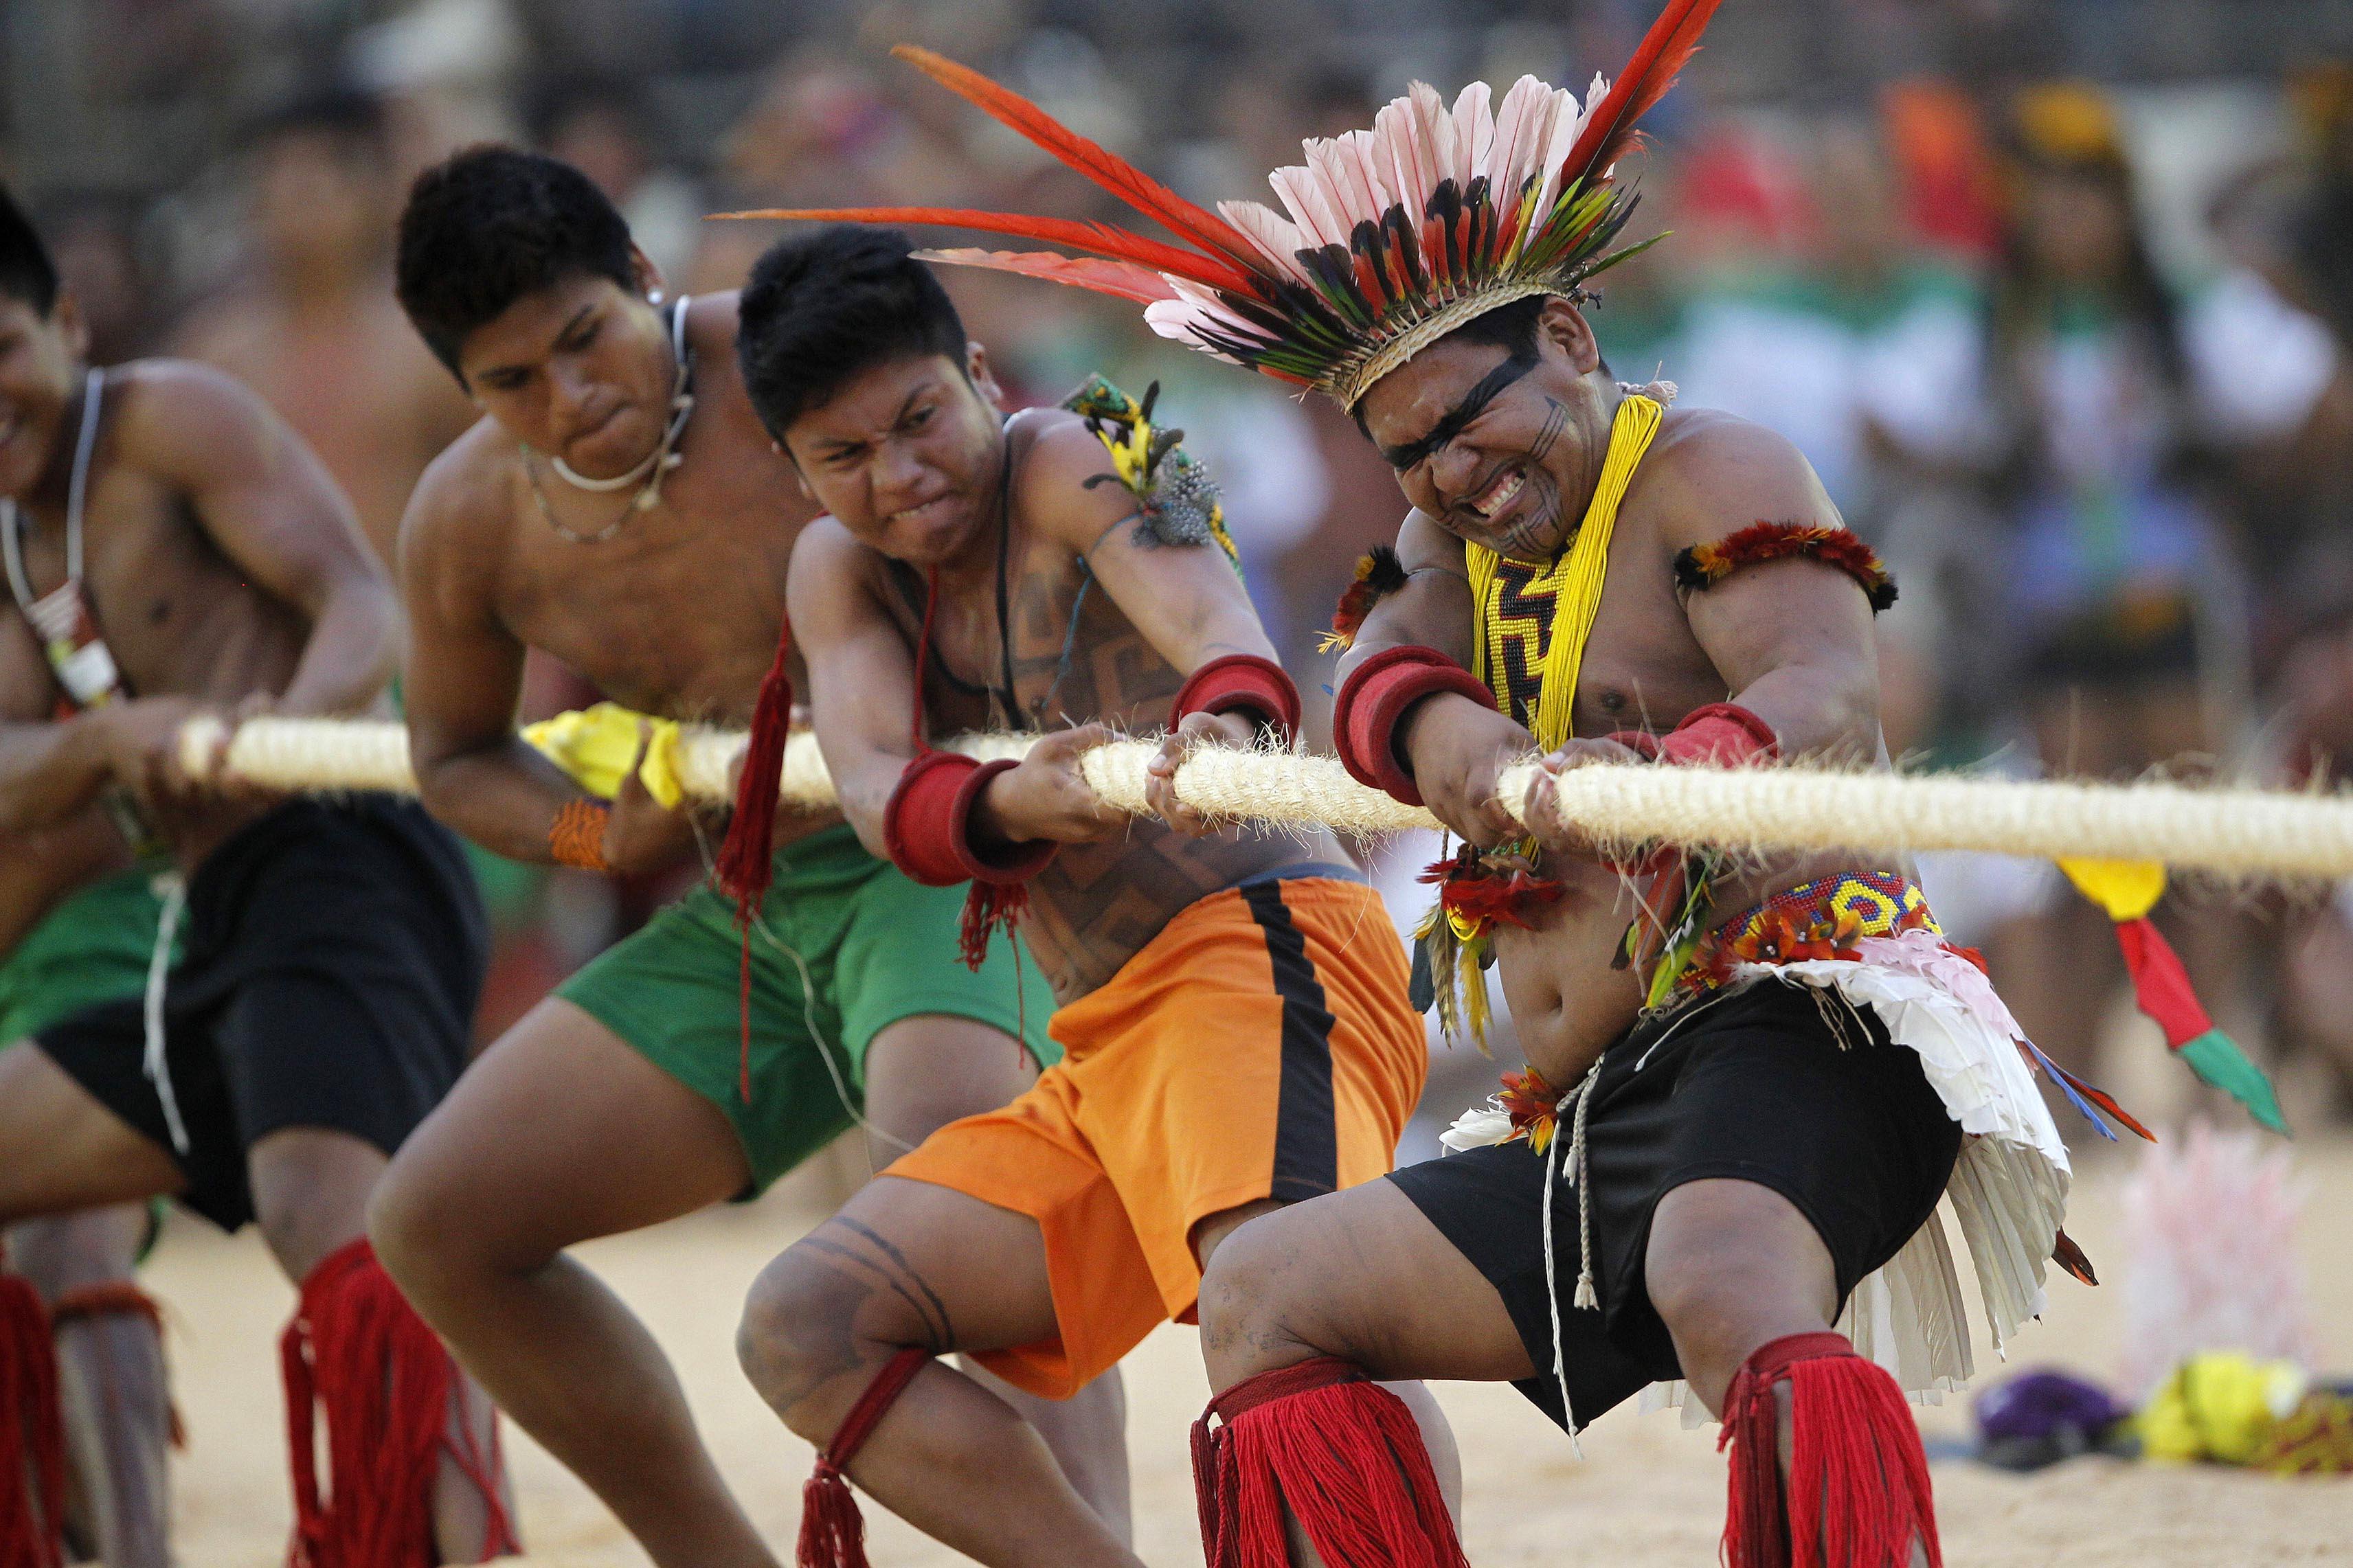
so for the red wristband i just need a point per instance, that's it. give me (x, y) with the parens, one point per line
(1721, 734)
(1242, 680)
(1374, 699)
(927, 825)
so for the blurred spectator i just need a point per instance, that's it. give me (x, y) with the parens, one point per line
(603, 129)
(313, 327)
(98, 260)
(2117, 403)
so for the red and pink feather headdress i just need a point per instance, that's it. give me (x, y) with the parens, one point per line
(1389, 239)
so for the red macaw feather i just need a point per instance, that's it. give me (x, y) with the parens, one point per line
(1123, 278)
(1098, 237)
(1506, 899)
(1664, 50)
(1113, 173)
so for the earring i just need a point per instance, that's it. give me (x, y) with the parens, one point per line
(654, 296)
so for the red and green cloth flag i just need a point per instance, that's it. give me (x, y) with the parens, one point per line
(2128, 890)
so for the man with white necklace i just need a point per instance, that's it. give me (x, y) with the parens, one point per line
(622, 507)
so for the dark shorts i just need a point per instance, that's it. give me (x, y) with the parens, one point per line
(333, 956)
(1753, 1085)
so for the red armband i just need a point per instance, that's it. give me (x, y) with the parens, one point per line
(1242, 680)
(1721, 734)
(927, 825)
(1374, 699)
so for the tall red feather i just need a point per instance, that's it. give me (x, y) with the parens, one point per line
(1125, 279)
(1665, 49)
(1115, 175)
(1101, 238)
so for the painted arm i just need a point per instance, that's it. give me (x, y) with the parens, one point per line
(268, 503)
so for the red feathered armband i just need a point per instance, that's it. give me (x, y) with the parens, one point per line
(927, 825)
(1721, 734)
(1376, 698)
(1243, 681)
(1704, 566)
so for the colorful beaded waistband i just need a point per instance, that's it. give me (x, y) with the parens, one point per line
(1820, 919)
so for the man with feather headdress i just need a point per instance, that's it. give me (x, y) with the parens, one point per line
(1750, 1084)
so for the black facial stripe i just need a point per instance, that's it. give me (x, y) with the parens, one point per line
(1473, 403)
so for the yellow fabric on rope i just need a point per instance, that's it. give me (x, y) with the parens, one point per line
(2128, 889)
(594, 747)
(1553, 651)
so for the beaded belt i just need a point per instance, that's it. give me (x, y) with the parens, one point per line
(1821, 918)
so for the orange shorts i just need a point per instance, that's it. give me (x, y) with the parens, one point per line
(1259, 1046)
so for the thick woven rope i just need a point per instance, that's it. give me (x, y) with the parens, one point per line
(2271, 835)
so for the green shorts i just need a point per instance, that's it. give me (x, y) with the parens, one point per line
(94, 947)
(876, 948)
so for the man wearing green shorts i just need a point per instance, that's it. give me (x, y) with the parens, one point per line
(622, 508)
(78, 927)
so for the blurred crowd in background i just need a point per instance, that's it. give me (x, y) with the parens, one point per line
(2057, 296)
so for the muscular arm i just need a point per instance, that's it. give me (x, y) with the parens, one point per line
(1452, 745)
(1792, 639)
(1187, 600)
(1432, 610)
(268, 505)
(48, 769)
(464, 678)
(862, 675)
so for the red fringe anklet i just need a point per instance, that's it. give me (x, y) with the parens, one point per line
(1342, 1452)
(833, 1532)
(1858, 1471)
(357, 1352)
(32, 1434)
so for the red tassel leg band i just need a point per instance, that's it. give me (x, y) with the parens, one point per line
(1858, 1493)
(1340, 1452)
(833, 1532)
(32, 1434)
(357, 1352)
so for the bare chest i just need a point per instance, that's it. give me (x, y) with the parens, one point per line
(1642, 667)
(1050, 651)
(178, 616)
(675, 613)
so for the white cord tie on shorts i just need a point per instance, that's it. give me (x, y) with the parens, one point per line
(1573, 1104)
(158, 1067)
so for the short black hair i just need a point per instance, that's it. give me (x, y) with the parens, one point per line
(821, 306)
(26, 272)
(1512, 328)
(492, 225)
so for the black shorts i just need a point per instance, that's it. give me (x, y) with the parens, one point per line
(1753, 1084)
(334, 954)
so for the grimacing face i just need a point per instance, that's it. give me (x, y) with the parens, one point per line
(1496, 450)
(907, 454)
(581, 370)
(40, 373)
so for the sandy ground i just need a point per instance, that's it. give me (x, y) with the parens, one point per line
(1648, 1486)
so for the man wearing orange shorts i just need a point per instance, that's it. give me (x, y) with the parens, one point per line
(1232, 1007)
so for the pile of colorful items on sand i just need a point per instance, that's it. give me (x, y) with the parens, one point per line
(2219, 1408)
(2217, 1336)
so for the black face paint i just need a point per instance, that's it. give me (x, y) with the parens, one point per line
(1475, 403)
(1555, 423)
